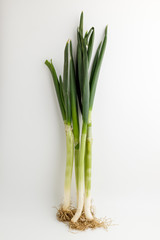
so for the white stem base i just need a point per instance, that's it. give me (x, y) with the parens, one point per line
(66, 203)
(87, 208)
(79, 208)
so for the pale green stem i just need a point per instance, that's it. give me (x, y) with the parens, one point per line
(69, 166)
(76, 166)
(81, 174)
(88, 165)
(76, 155)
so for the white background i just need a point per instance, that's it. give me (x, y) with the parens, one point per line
(126, 118)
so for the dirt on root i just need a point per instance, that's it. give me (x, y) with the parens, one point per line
(82, 224)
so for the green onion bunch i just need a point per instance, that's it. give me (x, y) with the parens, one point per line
(75, 93)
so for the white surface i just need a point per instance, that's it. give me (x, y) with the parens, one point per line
(126, 118)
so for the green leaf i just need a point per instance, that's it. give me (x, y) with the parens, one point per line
(87, 35)
(81, 24)
(75, 117)
(93, 82)
(85, 92)
(57, 87)
(78, 83)
(95, 63)
(61, 90)
(90, 46)
(66, 84)
(80, 59)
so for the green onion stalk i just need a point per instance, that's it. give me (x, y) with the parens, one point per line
(88, 156)
(82, 56)
(69, 167)
(66, 95)
(88, 166)
(85, 46)
(75, 116)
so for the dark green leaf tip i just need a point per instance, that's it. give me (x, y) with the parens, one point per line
(106, 28)
(81, 15)
(81, 23)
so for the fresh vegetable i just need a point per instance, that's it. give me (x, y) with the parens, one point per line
(87, 88)
(77, 91)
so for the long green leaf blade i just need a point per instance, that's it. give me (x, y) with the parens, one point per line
(74, 106)
(80, 63)
(78, 83)
(57, 88)
(95, 63)
(66, 84)
(97, 70)
(61, 90)
(85, 93)
(90, 46)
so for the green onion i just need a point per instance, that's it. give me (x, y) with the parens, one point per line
(88, 155)
(64, 98)
(87, 89)
(78, 86)
(75, 117)
(85, 110)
